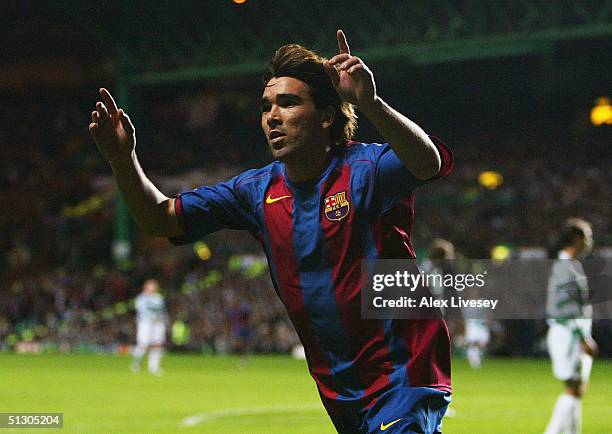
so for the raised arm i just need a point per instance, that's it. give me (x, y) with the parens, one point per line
(355, 83)
(115, 138)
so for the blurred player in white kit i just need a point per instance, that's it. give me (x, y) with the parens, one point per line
(569, 311)
(151, 320)
(477, 335)
(440, 261)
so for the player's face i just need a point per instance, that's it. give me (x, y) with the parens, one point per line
(293, 126)
(150, 287)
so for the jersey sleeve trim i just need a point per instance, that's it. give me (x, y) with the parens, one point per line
(182, 239)
(447, 159)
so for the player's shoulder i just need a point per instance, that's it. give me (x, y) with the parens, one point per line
(254, 178)
(563, 264)
(360, 151)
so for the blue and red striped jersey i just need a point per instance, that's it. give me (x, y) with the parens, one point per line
(315, 235)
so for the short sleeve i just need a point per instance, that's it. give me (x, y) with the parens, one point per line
(209, 209)
(394, 179)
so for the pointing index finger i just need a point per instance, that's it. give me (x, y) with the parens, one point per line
(342, 44)
(109, 102)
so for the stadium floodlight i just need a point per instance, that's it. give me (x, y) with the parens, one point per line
(601, 113)
(490, 179)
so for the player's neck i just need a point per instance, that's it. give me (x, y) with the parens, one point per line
(571, 251)
(308, 169)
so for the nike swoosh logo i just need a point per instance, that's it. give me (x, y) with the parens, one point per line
(269, 199)
(383, 427)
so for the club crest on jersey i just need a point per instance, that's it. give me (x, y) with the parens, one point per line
(336, 206)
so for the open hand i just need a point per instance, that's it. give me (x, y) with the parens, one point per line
(351, 77)
(112, 129)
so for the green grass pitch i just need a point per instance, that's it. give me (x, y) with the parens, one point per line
(275, 394)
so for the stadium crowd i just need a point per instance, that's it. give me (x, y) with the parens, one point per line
(61, 289)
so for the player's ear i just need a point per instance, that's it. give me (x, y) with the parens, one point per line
(327, 117)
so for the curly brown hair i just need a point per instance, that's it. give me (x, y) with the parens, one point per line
(298, 62)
